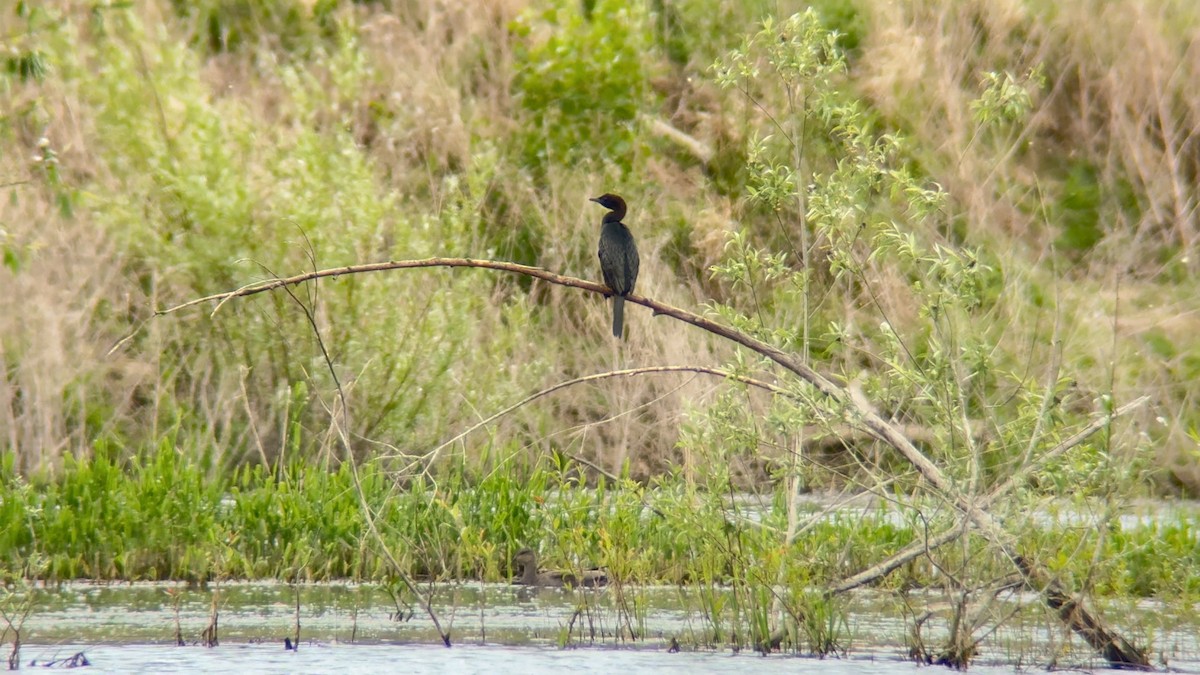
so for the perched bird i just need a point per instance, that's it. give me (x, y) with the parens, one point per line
(527, 575)
(618, 256)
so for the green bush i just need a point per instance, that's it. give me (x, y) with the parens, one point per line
(581, 83)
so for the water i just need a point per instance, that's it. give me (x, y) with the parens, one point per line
(374, 658)
(354, 628)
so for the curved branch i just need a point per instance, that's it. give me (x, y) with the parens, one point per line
(823, 384)
(334, 272)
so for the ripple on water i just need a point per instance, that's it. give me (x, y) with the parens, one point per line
(348, 658)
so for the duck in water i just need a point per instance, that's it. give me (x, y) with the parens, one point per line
(525, 562)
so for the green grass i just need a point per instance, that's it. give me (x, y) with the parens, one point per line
(163, 516)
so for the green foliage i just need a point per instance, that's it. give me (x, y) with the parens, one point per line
(165, 516)
(853, 211)
(856, 211)
(208, 200)
(232, 25)
(865, 211)
(581, 83)
(1086, 202)
(1079, 210)
(24, 60)
(1157, 559)
(694, 32)
(843, 18)
(154, 519)
(1004, 99)
(26, 66)
(1142, 556)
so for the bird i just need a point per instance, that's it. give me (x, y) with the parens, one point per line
(526, 562)
(618, 256)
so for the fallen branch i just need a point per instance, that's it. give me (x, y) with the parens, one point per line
(920, 548)
(695, 147)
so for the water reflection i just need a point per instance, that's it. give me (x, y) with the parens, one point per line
(357, 627)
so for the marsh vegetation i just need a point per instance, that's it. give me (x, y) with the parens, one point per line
(938, 258)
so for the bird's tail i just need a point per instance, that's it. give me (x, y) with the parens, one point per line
(618, 315)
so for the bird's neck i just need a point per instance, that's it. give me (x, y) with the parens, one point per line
(529, 574)
(613, 217)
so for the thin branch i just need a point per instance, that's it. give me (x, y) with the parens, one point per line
(432, 455)
(279, 282)
(339, 422)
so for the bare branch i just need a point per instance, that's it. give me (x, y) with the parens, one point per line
(272, 284)
(432, 455)
(823, 384)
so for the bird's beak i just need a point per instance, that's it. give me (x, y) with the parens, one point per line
(595, 199)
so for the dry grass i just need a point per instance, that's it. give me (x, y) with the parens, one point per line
(1119, 100)
(57, 318)
(1118, 97)
(65, 299)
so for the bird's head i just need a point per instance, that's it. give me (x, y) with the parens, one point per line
(611, 202)
(524, 557)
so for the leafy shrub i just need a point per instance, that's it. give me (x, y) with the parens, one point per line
(582, 83)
